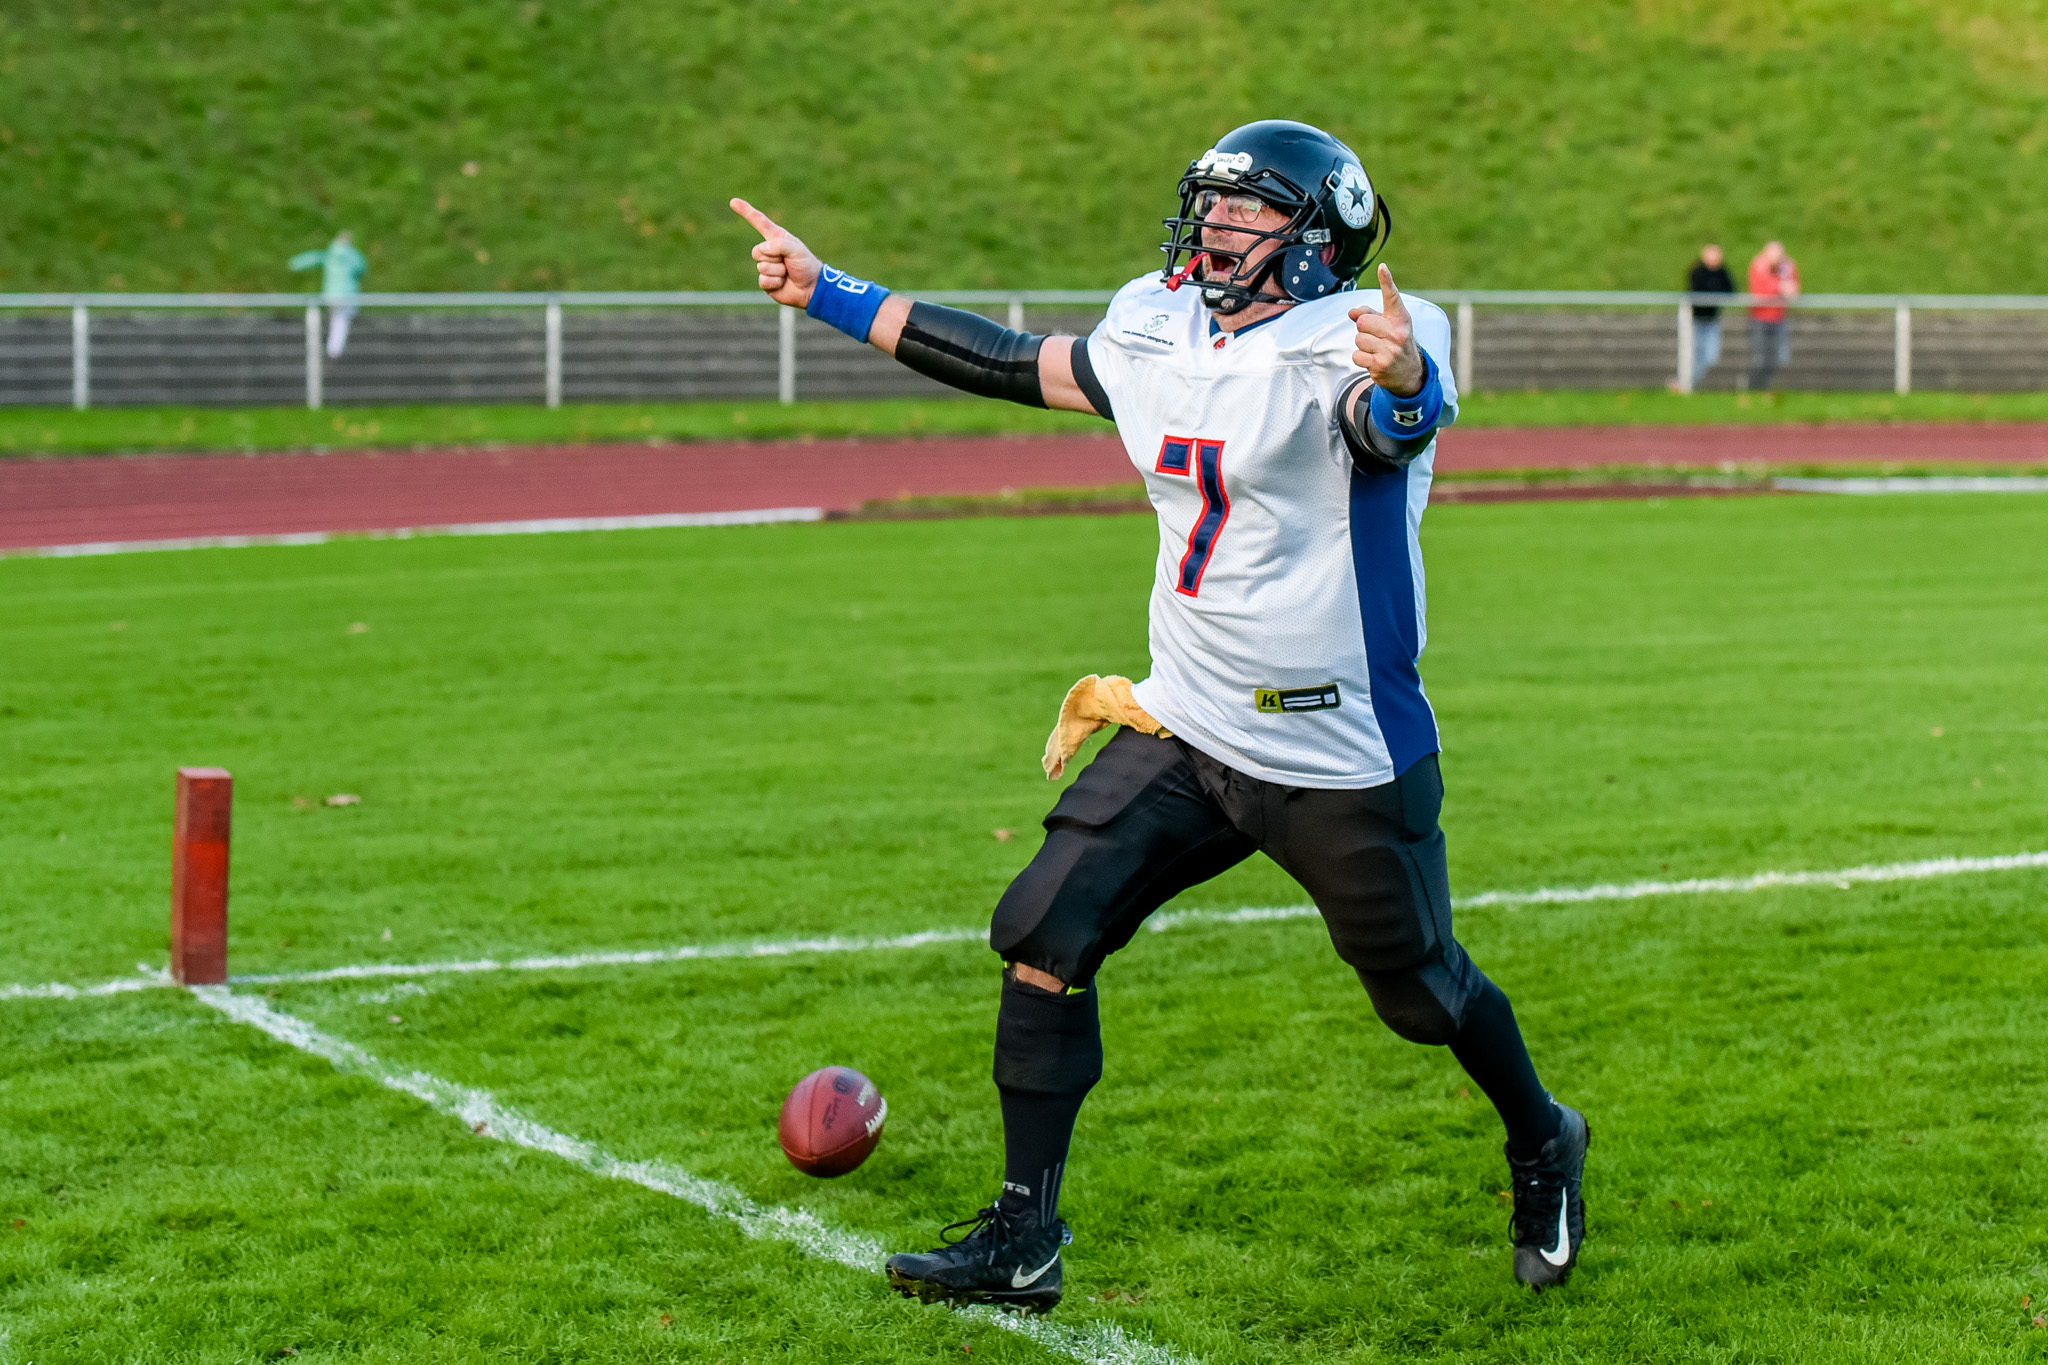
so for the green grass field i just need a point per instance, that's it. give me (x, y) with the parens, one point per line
(173, 144)
(1817, 1111)
(56, 431)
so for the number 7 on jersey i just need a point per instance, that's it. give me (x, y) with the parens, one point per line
(1204, 460)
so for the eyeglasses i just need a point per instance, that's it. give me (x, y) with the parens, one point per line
(1239, 208)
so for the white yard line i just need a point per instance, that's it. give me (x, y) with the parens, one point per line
(152, 977)
(483, 1115)
(1844, 878)
(781, 947)
(537, 527)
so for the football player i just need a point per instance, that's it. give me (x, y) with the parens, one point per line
(1285, 428)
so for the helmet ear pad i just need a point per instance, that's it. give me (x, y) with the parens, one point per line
(1304, 275)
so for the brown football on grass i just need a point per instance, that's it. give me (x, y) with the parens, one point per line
(831, 1121)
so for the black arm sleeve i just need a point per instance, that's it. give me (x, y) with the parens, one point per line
(1373, 450)
(968, 351)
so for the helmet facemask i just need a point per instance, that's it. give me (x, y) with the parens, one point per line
(1232, 280)
(1334, 222)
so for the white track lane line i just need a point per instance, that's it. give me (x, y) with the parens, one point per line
(537, 527)
(483, 1115)
(1844, 878)
(1909, 483)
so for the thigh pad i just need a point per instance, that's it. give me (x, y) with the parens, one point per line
(1134, 830)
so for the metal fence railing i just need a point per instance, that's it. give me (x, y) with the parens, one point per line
(1684, 367)
(258, 348)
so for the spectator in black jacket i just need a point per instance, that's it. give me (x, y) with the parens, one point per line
(1709, 275)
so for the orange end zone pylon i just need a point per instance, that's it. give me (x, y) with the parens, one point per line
(199, 877)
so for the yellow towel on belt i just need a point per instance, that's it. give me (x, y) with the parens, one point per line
(1091, 704)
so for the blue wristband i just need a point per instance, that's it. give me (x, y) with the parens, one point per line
(1410, 417)
(846, 303)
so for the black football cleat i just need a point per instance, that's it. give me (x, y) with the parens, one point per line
(1010, 1260)
(1550, 1213)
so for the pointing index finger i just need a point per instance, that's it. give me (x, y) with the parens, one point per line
(1390, 295)
(761, 222)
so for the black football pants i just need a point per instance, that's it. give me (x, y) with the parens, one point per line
(1151, 817)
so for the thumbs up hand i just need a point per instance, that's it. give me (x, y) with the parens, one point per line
(1386, 342)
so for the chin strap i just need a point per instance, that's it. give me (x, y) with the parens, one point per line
(1268, 269)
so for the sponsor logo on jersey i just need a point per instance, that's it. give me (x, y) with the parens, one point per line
(1274, 700)
(1153, 326)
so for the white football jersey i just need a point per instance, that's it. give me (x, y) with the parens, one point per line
(1287, 612)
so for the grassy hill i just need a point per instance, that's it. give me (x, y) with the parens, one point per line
(592, 143)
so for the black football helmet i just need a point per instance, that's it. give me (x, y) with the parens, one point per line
(1335, 223)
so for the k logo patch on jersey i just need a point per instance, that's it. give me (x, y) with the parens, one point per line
(1274, 700)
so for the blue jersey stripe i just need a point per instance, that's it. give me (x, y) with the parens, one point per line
(1386, 608)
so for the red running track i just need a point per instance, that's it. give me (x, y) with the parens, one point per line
(1709, 446)
(178, 497)
(53, 502)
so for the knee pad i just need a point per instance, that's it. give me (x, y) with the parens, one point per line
(1047, 1044)
(1427, 1004)
(1035, 924)
(1406, 1005)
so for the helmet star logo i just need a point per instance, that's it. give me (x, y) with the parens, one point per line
(1354, 196)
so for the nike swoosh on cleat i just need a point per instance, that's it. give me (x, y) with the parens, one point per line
(1018, 1279)
(1564, 1234)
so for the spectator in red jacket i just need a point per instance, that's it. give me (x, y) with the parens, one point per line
(1770, 334)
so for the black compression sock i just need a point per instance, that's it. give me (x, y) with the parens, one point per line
(1490, 1048)
(1037, 1129)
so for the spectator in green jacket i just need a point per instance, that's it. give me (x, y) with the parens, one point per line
(341, 267)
